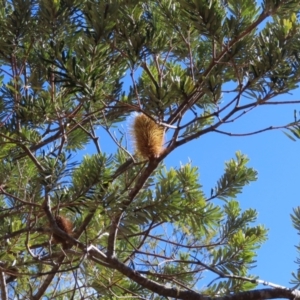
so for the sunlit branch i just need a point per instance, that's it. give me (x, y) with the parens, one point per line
(4, 294)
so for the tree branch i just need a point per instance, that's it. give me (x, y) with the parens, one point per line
(191, 295)
(49, 279)
(3, 286)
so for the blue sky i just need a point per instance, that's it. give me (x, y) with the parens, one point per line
(273, 195)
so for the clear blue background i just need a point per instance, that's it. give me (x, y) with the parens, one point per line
(273, 195)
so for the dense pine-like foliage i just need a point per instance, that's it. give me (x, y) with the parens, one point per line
(71, 72)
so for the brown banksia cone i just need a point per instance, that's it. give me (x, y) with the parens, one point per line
(65, 225)
(148, 137)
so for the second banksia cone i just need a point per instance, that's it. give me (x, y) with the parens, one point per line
(64, 224)
(148, 137)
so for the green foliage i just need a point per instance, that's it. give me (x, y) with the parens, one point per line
(235, 177)
(296, 223)
(70, 72)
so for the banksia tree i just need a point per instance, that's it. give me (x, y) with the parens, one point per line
(73, 73)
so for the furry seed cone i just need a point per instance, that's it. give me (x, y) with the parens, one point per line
(148, 137)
